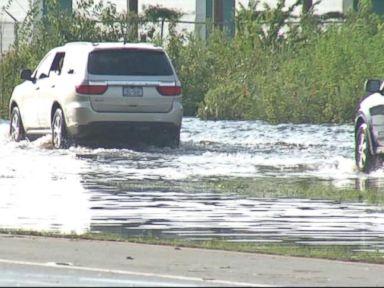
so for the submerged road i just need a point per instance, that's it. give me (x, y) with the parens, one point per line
(40, 261)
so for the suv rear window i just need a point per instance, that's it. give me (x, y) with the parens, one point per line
(129, 62)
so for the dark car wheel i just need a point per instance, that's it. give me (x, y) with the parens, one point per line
(365, 160)
(16, 131)
(176, 139)
(59, 133)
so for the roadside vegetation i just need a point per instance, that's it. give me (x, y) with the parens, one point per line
(349, 253)
(278, 67)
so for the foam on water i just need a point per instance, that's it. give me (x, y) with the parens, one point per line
(221, 148)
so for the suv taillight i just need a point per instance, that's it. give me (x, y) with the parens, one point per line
(91, 89)
(169, 90)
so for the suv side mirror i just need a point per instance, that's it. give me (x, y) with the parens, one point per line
(372, 85)
(26, 74)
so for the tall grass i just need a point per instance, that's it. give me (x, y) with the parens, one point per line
(310, 72)
(277, 68)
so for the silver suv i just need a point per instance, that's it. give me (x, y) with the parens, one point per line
(99, 92)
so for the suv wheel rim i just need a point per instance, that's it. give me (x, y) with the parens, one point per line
(362, 148)
(15, 126)
(57, 131)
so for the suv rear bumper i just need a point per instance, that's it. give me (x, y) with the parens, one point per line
(123, 134)
(83, 122)
(120, 130)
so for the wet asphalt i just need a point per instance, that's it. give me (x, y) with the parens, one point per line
(40, 261)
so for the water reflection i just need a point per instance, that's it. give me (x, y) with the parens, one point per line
(203, 216)
(372, 182)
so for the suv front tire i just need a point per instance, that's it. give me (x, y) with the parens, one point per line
(16, 130)
(59, 133)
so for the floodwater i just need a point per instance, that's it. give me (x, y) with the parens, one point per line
(162, 192)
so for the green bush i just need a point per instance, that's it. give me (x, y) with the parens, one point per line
(323, 81)
(227, 101)
(314, 75)
(194, 66)
(278, 67)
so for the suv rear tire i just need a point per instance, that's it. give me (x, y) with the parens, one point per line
(169, 138)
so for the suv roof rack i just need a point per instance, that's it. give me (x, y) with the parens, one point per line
(78, 43)
(95, 44)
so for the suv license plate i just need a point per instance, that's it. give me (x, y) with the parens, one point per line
(132, 91)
